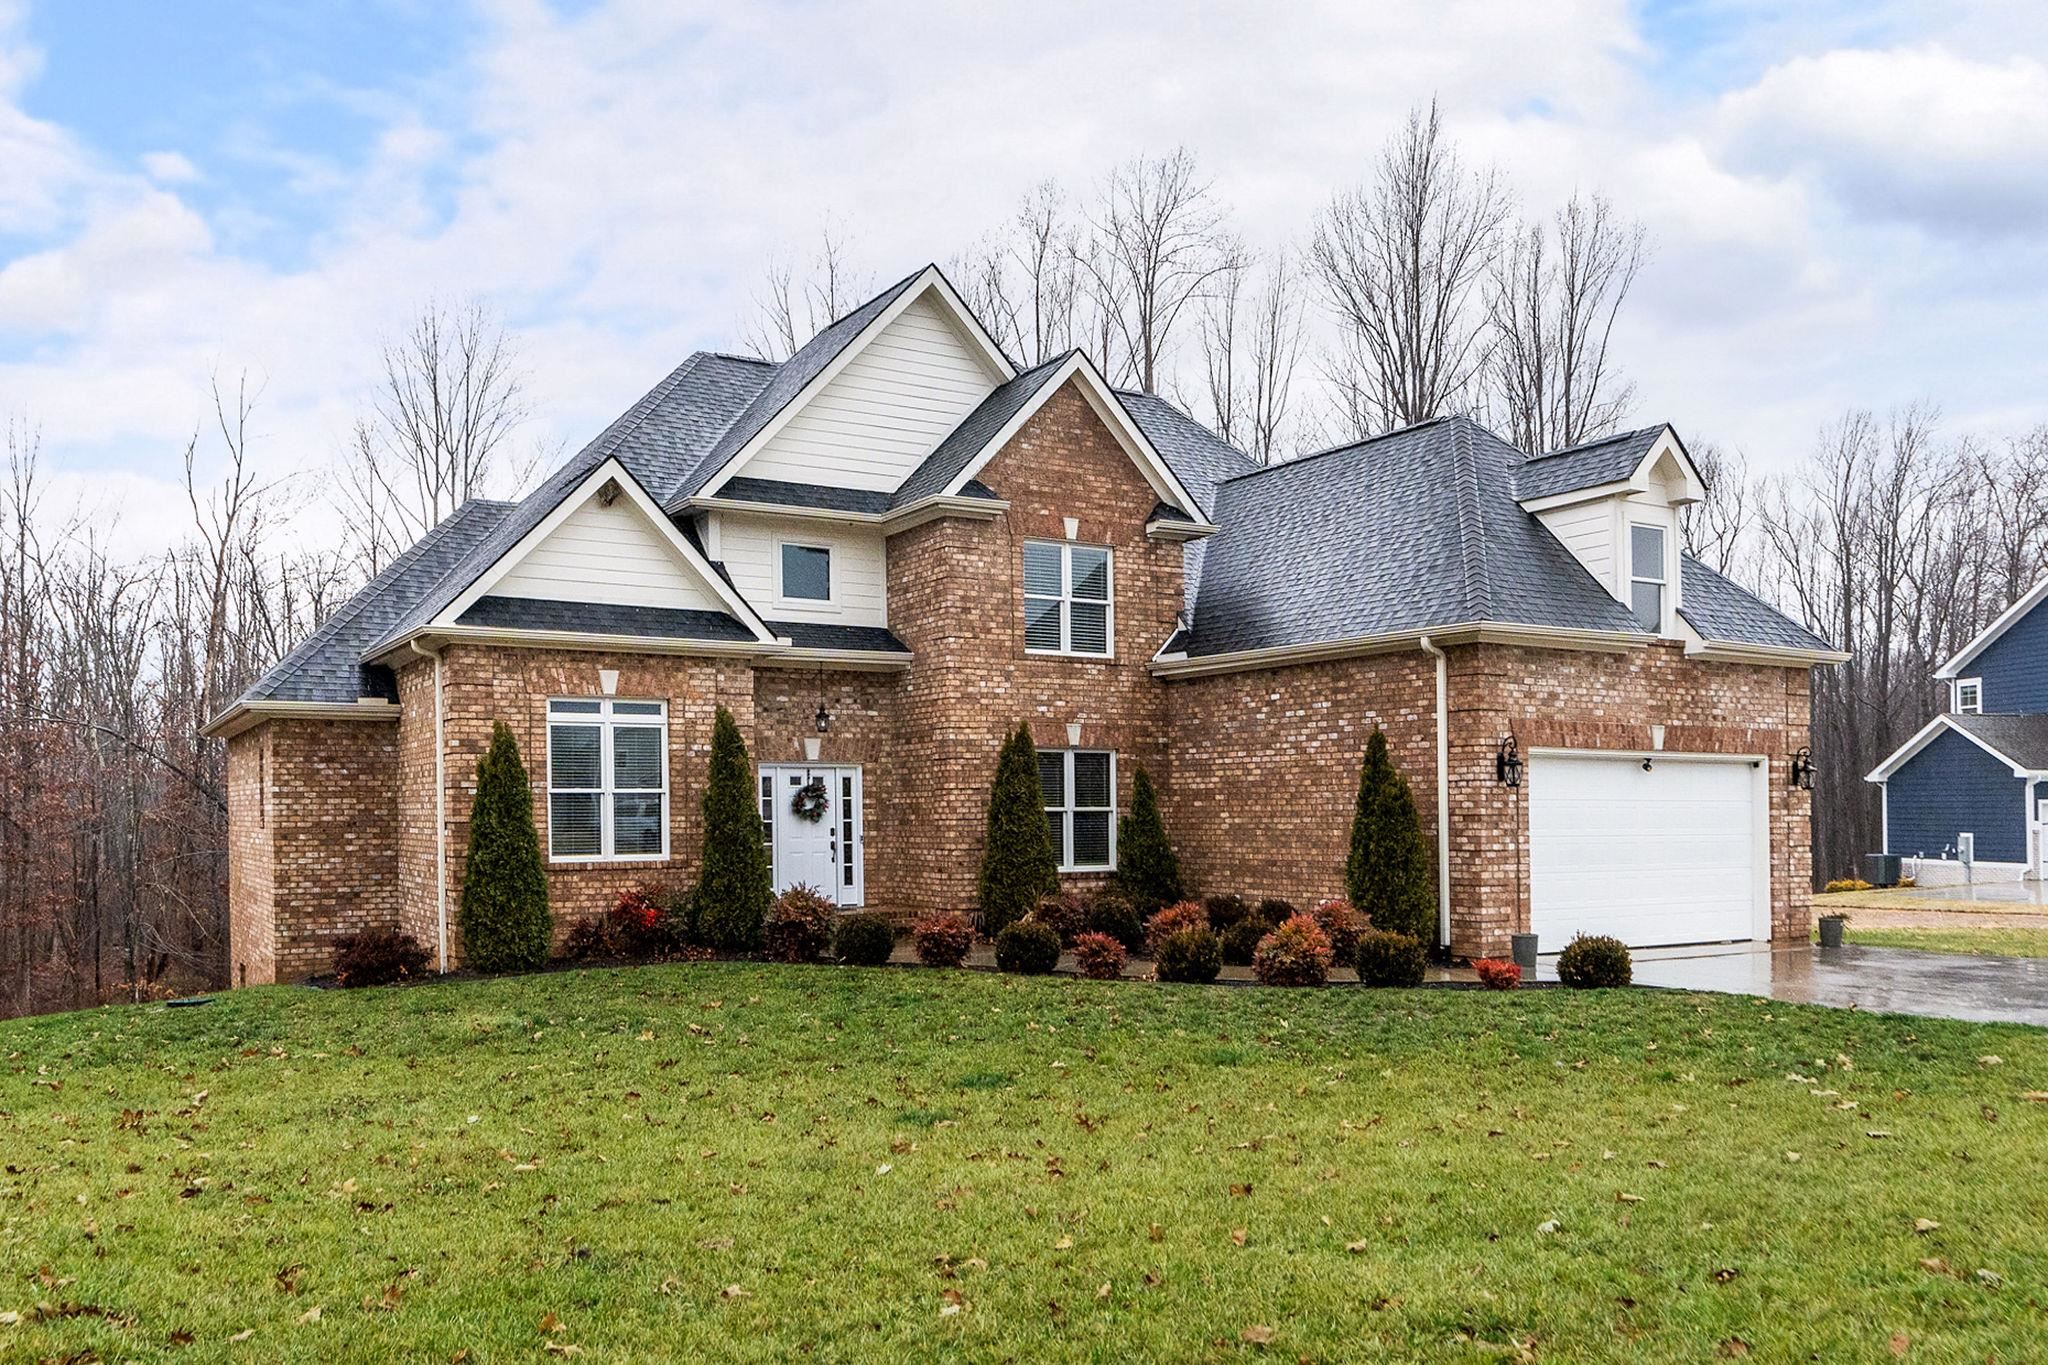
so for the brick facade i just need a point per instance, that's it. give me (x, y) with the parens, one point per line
(1257, 769)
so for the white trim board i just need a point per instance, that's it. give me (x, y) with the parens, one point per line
(1931, 731)
(1986, 637)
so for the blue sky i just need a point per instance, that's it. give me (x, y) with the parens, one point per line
(1847, 201)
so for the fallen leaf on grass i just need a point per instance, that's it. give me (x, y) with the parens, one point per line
(1734, 1348)
(1355, 1247)
(1257, 1335)
(1156, 1233)
(2035, 1096)
(1900, 1343)
(733, 1291)
(1103, 1291)
(1991, 1277)
(1725, 1274)
(1063, 1244)
(244, 1334)
(549, 1324)
(310, 1315)
(1924, 1225)
(1934, 1265)
(951, 1302)
(1545, 1228)
(715, 1244)
(1238, 1236)
(1624, 1197)
(9, 1318)
(558, 1348)
(1241, 1191)
(1878, 1133)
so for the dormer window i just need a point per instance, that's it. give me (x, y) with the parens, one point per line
(1970, 696)
(1649, 575)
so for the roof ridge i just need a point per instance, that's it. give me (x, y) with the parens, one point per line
(1473, 549)
(1333, 450)
(1593, 444)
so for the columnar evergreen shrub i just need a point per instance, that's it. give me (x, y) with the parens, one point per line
(1389, 959)
(799, 925)
(1064, 912)
(1295, 954)
(504, 915)
(942, 939)
(1100, 957)
(1171, 920)
(1241, 940)
(865, 940)
(1188, 955)
(1028, 948)
(736, 883)
(1147, 868)
(1110, 913)
(1017, 862)
(1388, 876)
(1594, 960)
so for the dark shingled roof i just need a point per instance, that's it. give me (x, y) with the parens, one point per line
(1199, 458)
(784, 494)
(814, 635)
(1590, 464)
(2023, 739)
(1408, 531)
(327, 666)
(604, 618)
(1719, 610)
(975, 431)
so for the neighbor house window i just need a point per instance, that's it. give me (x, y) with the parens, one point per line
(806, 573)
(1648, 575)
(1970, 695)
(607, 779)
(1080, 806)
(1067, 599)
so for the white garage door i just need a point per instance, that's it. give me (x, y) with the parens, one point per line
(1671, 855)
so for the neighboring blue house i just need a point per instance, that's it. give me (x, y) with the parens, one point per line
(1972, 786)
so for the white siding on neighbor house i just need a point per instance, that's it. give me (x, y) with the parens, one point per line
(607, 554)
(750, 547)
(1587, 530)
(878, 418)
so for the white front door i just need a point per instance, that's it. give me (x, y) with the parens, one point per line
(823, 853)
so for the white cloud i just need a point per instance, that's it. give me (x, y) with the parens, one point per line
(169, 168)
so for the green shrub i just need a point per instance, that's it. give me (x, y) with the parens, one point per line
(378, 957)
(1274, 912)
(1100, 957)
(865, 940)
(1028, 948)
(799, 925)
(679, 915)
(1385, 958)
(1241, 940)
(1111, 914)
(504, 915)
(736, 884)
(1295, 954)
(942, 939)
(1389, 875)
(1226, 911)
(637, 928)
(1840, 884)
(1188, 955)
(1341, 924)
(1017, 862)
(1063, 912)
(1147, 869)
(1171, 920)
(1595, 960)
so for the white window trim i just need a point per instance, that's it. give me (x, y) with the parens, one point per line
(605, 719)
(1663, 578)
(1066, 812)
(831, 553)
(1956, 697)
(1066, 600)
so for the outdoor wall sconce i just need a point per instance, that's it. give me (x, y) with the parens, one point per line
(1802, 769)
(823, 720)
(1507, 763)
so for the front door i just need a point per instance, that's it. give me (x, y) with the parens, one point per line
(811, 818)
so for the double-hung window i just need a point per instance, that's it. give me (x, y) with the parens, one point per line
(1080, 806)
(1970, 696)
(607, 779)
(1648, 575)
(1068, 599)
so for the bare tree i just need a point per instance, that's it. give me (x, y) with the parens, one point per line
(1251, 348)
(1552, 299)
(438, 432)
(1717, 531)
(790, 309)
(1400, 260)
(1159, 244)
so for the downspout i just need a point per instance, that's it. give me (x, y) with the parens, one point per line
(440, 816)
(1443, 790)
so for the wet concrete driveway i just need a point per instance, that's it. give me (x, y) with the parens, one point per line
(1944, 985)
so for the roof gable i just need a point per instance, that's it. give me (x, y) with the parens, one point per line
(1647, 460)
(2019, 742)
(1991, 634)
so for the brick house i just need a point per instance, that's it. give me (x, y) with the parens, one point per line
(886, 550)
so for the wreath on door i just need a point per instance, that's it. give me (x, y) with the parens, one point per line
(810, 801)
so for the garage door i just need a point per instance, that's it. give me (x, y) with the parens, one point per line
(1671, 855)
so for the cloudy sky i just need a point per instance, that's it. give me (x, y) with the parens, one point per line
(1847, 206)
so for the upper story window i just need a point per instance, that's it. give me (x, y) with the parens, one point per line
(607, 779)
(1649, 575)
(806, 573)
(1080, 806)
(1068, 599)
(1970, 695)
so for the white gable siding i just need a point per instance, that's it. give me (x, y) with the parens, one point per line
(750, 548)
(1587, 530)
(607, 554)
(878, 418)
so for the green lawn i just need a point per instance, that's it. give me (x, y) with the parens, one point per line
(760, 1162)
(2020, 942)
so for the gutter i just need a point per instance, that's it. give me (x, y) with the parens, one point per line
(440, 814)
(1443, 789)
(1180, 665)
(246, 715)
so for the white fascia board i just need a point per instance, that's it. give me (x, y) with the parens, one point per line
(518, 638)
(245, 715)
(1110, 409)
(610, 470)
(1173, 529)
(1926, 735)
(1985, 637)
(1737, 652)
(841, 660)
(932, 280)
(1179, 665)
(890, 522)
(1572, 497)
